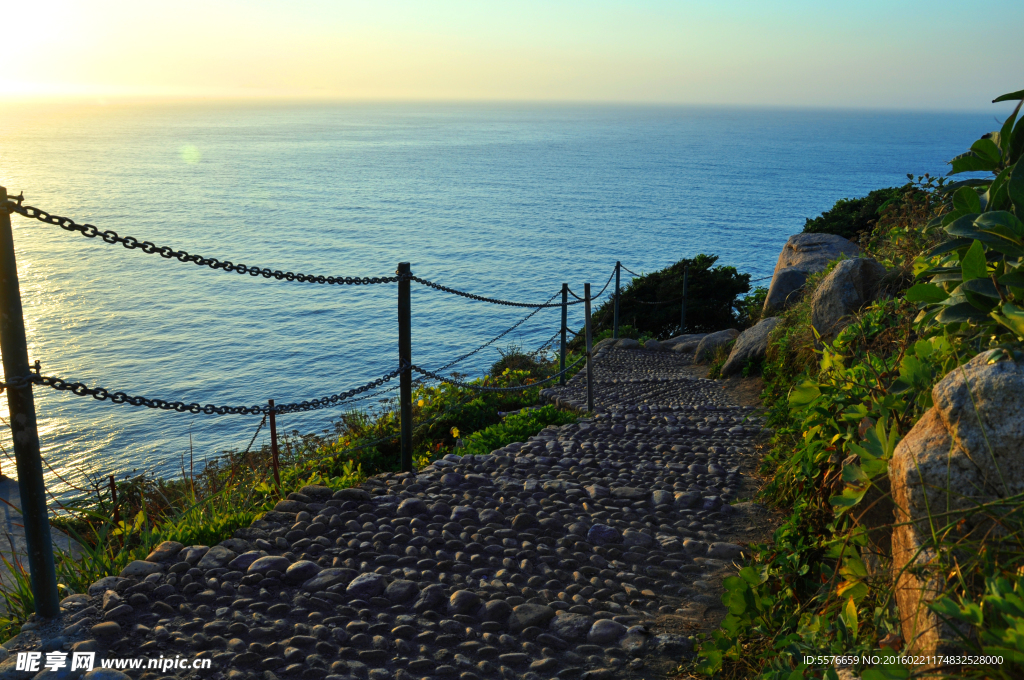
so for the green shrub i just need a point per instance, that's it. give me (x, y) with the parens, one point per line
(850, 217)
(515, 428)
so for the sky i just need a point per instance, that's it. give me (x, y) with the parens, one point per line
(892, 54)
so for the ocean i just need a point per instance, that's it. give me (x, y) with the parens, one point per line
(506, 201)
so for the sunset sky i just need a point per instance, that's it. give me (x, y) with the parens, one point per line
(869, 53)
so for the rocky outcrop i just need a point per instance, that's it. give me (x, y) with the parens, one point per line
(712, 341)
(849, 286)
(751, 345)
(966, 450)
(803, 255)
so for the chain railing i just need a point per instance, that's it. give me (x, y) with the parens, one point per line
(20, 377)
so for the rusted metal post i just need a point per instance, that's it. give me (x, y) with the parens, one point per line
(24, 433)
(615, 325)
(565, 322)
(113, 501)
(273, 445)
(682, 314)
(405, 358)
(590, 362)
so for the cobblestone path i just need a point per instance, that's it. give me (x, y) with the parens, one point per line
(585, 552)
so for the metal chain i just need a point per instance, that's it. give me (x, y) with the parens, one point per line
(102, 394)
(255, 434)
(493, 301)
(480, 388)
(132, 243)
(629, 270)
(763, 278)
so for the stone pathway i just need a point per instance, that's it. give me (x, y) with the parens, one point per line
(589, 552)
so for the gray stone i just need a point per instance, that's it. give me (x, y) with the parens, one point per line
(706, 349)
(269, 563)
(803, 255)
(660, 497)
(631, 537)
(628, 343)
(327, 578)
(751, 345)
(686, 499)
(401, 591)
(685, 338)
(605, 631)
(629, 493)
(193, 553)
(496, 610)
(217, 556)
(849, 286)
(365, 586)
(967, 449)
(245, 560)
(352, 494)
(412, 506)
(141, 568)
(463, 602)
(596, 491)
(602, 534)
(570, 626)
(301, 571)
(166, 550)
(317, 492)
(526, 615)
(104, 584)
(653, 346)
(725, 551)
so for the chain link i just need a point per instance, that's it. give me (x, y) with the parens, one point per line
(481, 388)
(493, 301)
(132, 243)
(629, 270)
(665, 302)
(101, 394)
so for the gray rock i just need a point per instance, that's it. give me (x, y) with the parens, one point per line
(685, 338)
(217, 556)
(401, 591)
(725, 551)
(245, 560)
(597, 491)
(706, 348)
(849, 286)
(327, 578)
(141, 568)
(269, 563)
(166, 550)
(605, 631)
(751, 345)
(463, 602)
(660, 497)
(496, 610)
(104, 584)
(301, 571)
(628, 343)
(317, 492)
(967, 449)
(631, 537)
(365, 586)
(193, 553)
(629, 493)
(570, 626)
(526, 615)
(602, 534)
(352, 494)
(686, 499)
(803, 255)
(412, 506)
(653, 346)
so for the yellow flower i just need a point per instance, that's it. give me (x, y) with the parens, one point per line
(420, 402)
(455, 432)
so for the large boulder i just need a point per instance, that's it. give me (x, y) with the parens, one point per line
(966, 450)
(712, 341)
(751, 345)
(848, 287)
(803, 255)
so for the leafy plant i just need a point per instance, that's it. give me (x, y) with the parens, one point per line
(850, 217)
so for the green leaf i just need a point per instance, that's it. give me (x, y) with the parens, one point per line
(895, 672)
(971, 162)
(926, 292)
(1015, 187)
(1015, 279)
(1006, 133)
(1009, 97)
(1012, 317)
(983, 287)
(973, 263)
(964, 312)
(1002, 223)
(987, 147)
(966, 200)
(848, 616)
(803, 394)
(949, 246)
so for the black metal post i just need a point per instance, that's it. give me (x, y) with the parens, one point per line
(274, 455)
(615, 325)
(590, 363)
(405, 357)
(565, 322)
(682, 314)
(24, 432)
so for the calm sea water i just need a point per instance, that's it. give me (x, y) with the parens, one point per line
(507, 201)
